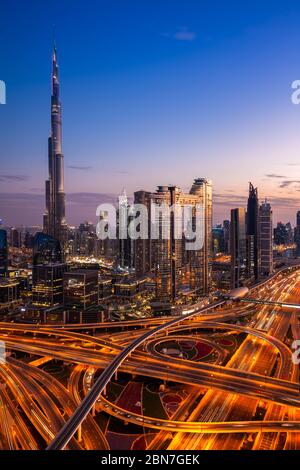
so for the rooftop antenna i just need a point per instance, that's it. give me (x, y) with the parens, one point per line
(53, 36)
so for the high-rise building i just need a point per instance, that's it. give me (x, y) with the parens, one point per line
(46, 249)
(83, 241)
(28, 240)
(174, 267)
(201, 260)
(218, 239)
(47, 271)
(289, 233)
(3, 253)
(47, 284)
(226, 229)
(266, 238)
(126, 244)
(106, 248)
(238, 247)
(297, 234)
(9, 294)
(54, 217)
(143, 247)
(252, 231)
(15, 238)
(280, 234)
(81, 290)
(161, 256)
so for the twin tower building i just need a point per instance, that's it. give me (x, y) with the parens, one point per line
(251, 241)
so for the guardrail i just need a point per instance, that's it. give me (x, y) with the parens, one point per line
(71, 426)
(74, 422)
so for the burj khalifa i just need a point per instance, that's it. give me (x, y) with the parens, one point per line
(54, 217)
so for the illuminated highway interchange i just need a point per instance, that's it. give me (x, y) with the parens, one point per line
(219, 377)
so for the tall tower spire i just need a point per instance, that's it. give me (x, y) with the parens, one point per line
(54, 218)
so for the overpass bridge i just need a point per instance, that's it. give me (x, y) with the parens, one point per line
(270, 302)
(75, 421)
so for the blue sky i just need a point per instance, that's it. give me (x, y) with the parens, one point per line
(153, 92)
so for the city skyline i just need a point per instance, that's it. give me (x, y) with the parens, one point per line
(161, 106)
(150, 229)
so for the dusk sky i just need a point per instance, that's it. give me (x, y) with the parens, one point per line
(153, 92)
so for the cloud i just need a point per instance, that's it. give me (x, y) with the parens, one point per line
(273, 175)
(122, 172)
(80, 168)
(229, 200)
(288, 183)
(90, 199)
(293, 164)
(185, 35)
(286, 202)
(28, 208)
(15, 178)
(36, 190)
(165, 35)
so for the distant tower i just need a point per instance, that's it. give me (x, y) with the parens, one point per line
(47, 271)
(253, 241)
(201, 260)
(226, 229)
(54, 218)
(238, 247)
(297, 234)
(126, 244)
(3, 253)
(266, 238)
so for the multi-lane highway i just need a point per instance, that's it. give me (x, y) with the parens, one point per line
(260, 373)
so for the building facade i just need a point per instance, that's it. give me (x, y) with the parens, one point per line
(266, 238)
(54, 217)
(3, 253)
(174, 267)
(47, 284)
(81, 290)
(238, 249)
(297, 234)
(253, 238)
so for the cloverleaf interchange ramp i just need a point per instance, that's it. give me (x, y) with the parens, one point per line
(69, 429)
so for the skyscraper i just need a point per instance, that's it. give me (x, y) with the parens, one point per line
(289, 233)
(3, 253)
(218, 239)
(54, 218)
(297, 234)
(253, 241)
(46, 249)
(47, 271)
(47, 284)
(126, 245)
(238, 247)
(266, 238)
(226, 229)
(175, 268)
(81, 289)
(15, 238)
(280, 234)
(201, 260)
